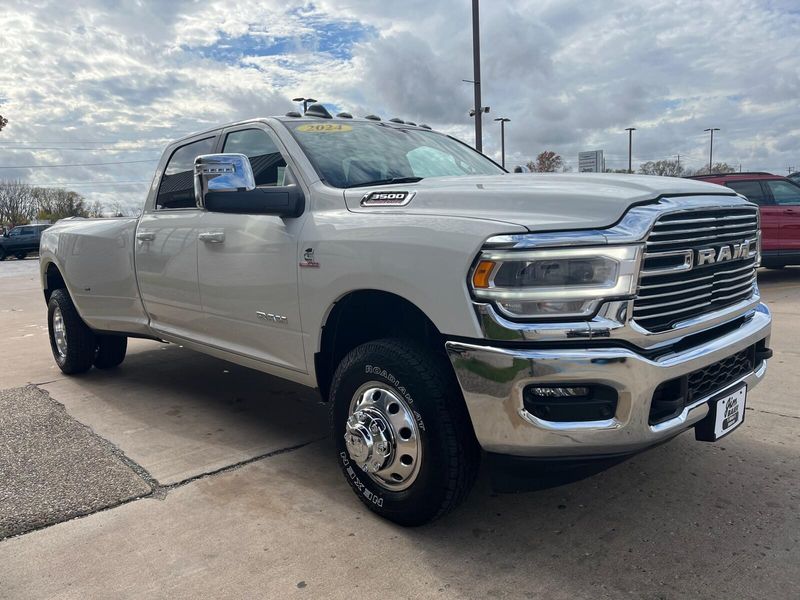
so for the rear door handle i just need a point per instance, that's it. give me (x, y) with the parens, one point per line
(145, 236)
(212, 237)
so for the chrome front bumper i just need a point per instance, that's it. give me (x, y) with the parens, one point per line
(492, 380)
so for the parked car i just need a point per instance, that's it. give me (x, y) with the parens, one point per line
(21, 241)
(439, 304)
(795, 177)
(778, 199)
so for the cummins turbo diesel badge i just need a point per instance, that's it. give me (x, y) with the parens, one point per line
(387, 198)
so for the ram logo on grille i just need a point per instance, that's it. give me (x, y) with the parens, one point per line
(697, 262)
(734, 251)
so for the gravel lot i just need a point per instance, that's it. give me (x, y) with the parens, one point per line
(198, 478)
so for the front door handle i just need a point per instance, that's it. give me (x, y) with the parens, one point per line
(212, 237)
(145, 236)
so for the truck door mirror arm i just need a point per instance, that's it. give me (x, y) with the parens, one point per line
(225, 183)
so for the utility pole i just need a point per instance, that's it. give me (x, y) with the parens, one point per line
(711, 147)
(503, 121)
(630, 131)
(476, 74)
(679, 163)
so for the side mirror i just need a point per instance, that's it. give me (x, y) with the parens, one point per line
(225, 183)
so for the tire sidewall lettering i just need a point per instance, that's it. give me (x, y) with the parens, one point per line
(401, 389)
(376, 499)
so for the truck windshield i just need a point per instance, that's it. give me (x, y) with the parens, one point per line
(356, 153)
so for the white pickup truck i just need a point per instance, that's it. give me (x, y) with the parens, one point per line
(444, 308)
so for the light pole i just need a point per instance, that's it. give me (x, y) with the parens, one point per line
(503, 121)
(305, 101)
(476, 70)
(711, 147)
(630, 131)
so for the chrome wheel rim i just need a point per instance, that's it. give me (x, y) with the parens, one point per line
(59, 332)
(382, 436)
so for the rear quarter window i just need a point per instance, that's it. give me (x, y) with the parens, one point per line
(751, 190)
(177, 184)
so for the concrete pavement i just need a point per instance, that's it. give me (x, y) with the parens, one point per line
(247, 500)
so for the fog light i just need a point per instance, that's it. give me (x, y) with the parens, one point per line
(562, 404)
(559, 392)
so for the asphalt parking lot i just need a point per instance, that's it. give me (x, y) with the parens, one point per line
(183, 476)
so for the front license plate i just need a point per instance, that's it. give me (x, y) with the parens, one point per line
(726, 413)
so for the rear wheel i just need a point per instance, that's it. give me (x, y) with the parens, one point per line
(403, 435)
(71, 340)
(110, 351)
(21, 255)
(2, 254)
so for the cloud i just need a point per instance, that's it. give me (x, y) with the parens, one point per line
(115, 81)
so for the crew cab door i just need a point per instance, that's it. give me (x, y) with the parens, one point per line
(771, 215)
(247, 265)
(21, 239)
(786, 198)
(166, 246)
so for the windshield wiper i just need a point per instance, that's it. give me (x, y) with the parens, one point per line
(387, 181)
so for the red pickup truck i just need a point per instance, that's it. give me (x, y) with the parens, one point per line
(778, 199)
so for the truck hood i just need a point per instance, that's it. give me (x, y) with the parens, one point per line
(536, 201)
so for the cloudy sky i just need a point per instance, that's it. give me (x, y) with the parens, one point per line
(112, 81)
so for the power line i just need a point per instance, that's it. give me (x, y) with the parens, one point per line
(79, 141)
(74, 183)
(121, 162)
(82, 149)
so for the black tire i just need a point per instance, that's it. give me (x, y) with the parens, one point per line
(80, 340)
(21, 255)
(2, 254)
(450, 452)
(110, 351)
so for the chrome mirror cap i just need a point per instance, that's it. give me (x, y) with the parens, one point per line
(221, 173)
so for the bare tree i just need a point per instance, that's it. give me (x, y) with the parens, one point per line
(17, 203)
(95, 209)
(546, 162)
(668, 168)
(58, 203)
(717, 168)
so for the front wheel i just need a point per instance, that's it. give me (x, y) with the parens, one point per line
(2, 254)
(21, 255)
(403, 435)
(71, 340)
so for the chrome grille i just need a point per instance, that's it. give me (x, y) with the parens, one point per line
(672, 288)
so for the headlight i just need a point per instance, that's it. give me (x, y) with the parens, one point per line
(557, 283)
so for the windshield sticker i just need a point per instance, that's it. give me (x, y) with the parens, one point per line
(324, 127)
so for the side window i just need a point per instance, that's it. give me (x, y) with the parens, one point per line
(784, 192)
(269, 167)
(177, 185)
(751, 190)
(27, 231)
(14, 232)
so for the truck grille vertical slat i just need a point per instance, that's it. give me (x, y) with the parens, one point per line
(666, 298)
